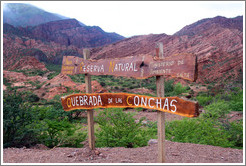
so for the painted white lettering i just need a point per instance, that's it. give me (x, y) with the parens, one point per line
(81, 100)
(77, 104)
(158, 103)
(136, 104)
(143, 102)
(127, 65)
(85, 100)
(166, 104)
(99, 100)
(149, 102)
(94, 100)
(90, 101)
(116, 67)
(135, 67)
(180, 62)
(131, 67)
(73, 101)
(171, 104)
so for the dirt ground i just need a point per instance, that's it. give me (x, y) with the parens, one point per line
(175, 152)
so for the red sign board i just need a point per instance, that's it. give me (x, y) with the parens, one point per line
(173, 105)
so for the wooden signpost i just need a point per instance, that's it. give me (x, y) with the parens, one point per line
(141, 66)
(161, 115)
(173, 105)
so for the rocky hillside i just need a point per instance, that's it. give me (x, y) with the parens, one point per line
(16, 47)
(218, 43)
(51, 41)
(70, 32)
(66, 32)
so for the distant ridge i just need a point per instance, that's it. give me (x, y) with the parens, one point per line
(21, 14)
(208, 23)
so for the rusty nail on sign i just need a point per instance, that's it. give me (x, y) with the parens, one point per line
(172, 105)
(140, 66)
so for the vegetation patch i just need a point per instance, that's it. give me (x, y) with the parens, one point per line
(119, 129)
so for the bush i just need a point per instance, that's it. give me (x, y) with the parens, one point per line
(119, 129)
(179, 88)
(199, 131)
(18, 119)
(235, 129)
(212, 127)
(60, 133)
(174, 90)
(52, 75)
(216, 110)
(169, 86)
(204, 100)
(27, 125)
(236, 103)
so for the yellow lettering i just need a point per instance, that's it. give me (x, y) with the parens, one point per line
(68, 62)
(68, 105)
(81, 66)
(111, 66)
(127, 100)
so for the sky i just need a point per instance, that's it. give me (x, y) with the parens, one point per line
(130, 18)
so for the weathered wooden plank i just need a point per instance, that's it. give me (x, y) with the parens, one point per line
(140, 66)
(160, 115)
(172, 105)
(90, 113)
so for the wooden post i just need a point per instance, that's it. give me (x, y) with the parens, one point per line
(90, 118)
(160, 114)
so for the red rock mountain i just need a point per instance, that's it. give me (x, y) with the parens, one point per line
(66, 32)
(70, 32)
(217, 42)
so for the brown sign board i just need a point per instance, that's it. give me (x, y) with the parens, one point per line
(140, 67)
(173, 105)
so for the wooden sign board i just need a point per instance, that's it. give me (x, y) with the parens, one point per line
(140, 67)
(173, 105)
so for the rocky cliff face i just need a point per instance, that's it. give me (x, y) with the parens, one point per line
(16, 48)
(70, 32)
(217, 42)
(66, 32)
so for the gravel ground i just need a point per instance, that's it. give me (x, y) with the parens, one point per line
(175, 153)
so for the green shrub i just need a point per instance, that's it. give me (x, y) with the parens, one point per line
(30, 72)
(179, 88)
(169, 86)
(52, 75)
(216, 110)
(235, 129)
(204, 100)
(60, 133)
(213, 126)
(18, 119)
(6, 81)
(199, 131)
(25, 124)
(53, 67)
(174, 90)
(236, 103)
(119, 129)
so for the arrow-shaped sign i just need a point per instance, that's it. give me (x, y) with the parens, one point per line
(140, 67)
(173, 105)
